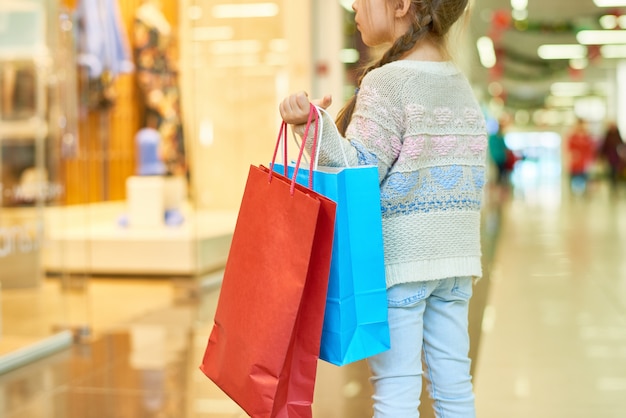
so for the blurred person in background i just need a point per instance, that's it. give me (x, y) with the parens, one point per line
(500, 154)
(613, 151)
(581, 150)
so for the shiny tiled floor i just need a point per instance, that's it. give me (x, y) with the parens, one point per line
(551, 342)
(554, 334)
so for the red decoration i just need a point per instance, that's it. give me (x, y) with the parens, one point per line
(576, 74)
(593, 53)
(321, 69)
(500, 22)
(501, 19)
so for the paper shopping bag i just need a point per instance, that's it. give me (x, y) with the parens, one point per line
(355, 322)
(264, 345)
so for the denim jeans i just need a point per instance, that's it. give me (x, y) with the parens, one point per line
(427, 320)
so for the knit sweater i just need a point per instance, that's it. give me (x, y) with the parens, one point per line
(420, 123)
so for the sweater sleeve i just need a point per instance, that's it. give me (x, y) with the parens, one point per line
(334, 150)
(377, 124)
(372, 138)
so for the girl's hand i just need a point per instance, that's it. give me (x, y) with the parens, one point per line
(295, 109)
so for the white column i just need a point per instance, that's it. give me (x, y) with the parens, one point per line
(328, 72)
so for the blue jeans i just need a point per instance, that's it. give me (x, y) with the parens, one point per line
(432, 317)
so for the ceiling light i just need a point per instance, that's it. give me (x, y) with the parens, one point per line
(591, 108)
(519, 4)
(567, 89)
(559, 101)
(486, 52)
(610, 3)
(601, 37)
(613, 51)
(562, 52)
(579, 63)
(608, 22)
(519, 14)
(245, 10)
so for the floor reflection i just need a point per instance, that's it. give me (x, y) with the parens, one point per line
(146, 365)
(556, 305)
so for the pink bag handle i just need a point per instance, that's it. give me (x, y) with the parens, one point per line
(283, 134)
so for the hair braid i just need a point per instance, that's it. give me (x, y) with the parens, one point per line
(432, 18)
(402, 45)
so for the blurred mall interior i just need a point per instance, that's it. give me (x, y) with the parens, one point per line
(127, 128)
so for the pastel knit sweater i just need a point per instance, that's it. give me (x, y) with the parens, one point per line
(420, 123)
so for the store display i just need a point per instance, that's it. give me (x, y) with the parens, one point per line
(157, 75)
(103, 50)
(24, 127)
(154, 201)
(148, 141)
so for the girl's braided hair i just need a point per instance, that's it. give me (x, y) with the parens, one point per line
(432, 19)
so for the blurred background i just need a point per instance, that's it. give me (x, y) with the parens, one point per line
(127, 128)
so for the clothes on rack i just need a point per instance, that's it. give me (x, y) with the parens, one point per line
(103, 44)
(103, 50)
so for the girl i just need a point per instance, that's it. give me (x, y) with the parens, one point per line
(415, 116)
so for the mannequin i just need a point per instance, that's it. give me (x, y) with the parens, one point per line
(157, 75)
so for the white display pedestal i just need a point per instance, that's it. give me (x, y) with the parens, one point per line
(87, 238)
(149, 197)
(144, 198)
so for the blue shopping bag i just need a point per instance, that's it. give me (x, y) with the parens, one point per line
(355, 319)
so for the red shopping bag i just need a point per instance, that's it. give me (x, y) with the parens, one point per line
(265, 342)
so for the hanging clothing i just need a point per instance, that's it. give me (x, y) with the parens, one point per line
(103, 51)
(103, 43)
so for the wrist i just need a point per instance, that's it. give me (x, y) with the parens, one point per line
(299, 129)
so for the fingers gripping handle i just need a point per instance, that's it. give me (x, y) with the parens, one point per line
(282, 137)
(315, 155)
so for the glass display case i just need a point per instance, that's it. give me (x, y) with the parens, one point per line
(23, 132)
(30, 131)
